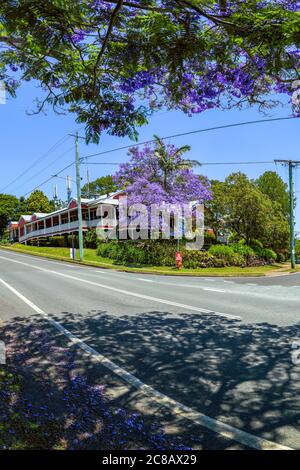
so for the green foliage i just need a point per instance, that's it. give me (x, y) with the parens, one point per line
(228, 254)
(171, 163)
(243, 249)
(201, 259)
(266, 253)
(4, 240)
(275, 188)
(8, 210)
(101, 186)
(122, 39)
(154, 253)
(240, 208)
(90, 239)
(209, 238)
(162, 253)
(38, 202)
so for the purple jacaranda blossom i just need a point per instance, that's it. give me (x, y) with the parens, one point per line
(143, 179)
(78, 36)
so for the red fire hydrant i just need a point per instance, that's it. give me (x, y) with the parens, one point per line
(178, 260)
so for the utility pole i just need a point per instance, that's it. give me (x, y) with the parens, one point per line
(292, 164)
(78, 184)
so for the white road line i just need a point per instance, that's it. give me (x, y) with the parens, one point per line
(223, 429)
(63, 262)
(24, 299)
(213, 290)
(145, 280)
(126, 292)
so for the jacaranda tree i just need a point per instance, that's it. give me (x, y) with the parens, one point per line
(145, 180)
(113, 62)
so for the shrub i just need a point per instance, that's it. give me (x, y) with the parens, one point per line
(201, 259)
(4, 240)
(154, 252)
(227, 253)
(243, 249)
(162, 253)
(90, 239)
(210, 238)
(266, 254)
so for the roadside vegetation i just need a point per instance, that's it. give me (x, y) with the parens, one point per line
(92, 258)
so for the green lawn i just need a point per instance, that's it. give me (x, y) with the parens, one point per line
(91, 257)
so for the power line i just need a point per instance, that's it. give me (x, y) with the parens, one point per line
(50, 178)
(202, 164)
(198, 131)
(54, 147)
(45, 168)
(227, 126)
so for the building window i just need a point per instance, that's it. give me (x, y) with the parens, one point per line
(93, 214)
(73, 216)
(64, 218)
(55, 221)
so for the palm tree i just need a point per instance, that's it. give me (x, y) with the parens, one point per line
(167, 161)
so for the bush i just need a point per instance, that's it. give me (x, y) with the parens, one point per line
(4, 240)
(154, 252)
(281, 257)
(90, 239)
(228, 255)
(266, 254)
(201, 259)
(243, 249)
(162, 253)
(210, 238)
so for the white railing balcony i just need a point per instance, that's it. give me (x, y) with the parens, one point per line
(68, 227)
(56, 230)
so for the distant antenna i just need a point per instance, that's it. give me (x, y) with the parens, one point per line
(55, 195)
(88, 182)
(69, 187)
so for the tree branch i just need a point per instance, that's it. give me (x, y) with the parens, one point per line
(11, 41)
(201, 12)
(106, 39)
(139, 6)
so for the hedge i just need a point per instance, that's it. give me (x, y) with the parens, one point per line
(162, 253)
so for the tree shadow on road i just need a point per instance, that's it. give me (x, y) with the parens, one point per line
(238, 373)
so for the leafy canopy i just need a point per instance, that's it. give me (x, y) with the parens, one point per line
(239, 206)
(101, 186)
(38, 202)
(276, 189)
(158, 174)
(114, 62)
(8, 210)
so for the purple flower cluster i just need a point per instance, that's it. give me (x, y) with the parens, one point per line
(78, 36)
(143, 177)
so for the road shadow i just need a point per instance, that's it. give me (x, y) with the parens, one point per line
(229, 370)
(51, 398)
(239, 373)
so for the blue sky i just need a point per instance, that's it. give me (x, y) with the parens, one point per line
(25, 139)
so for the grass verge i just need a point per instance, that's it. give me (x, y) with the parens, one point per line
(92, 259)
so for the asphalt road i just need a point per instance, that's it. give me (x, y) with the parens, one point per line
(222, 347)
